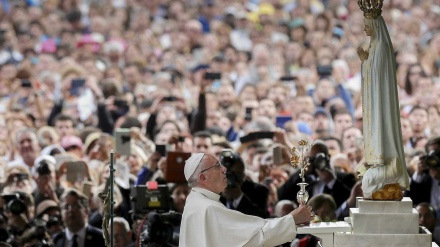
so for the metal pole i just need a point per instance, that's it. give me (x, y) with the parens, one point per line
(111, 195)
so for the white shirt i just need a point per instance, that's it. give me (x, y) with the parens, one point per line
(207, 222)
(319, 186)
(235, 202)
(80, 239)
(435, 194)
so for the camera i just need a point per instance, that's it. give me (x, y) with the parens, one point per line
(170, 98)
(212, 76)
(14, 203)
(228, 158)
(36, 235)
(324, 70)
(248, 114)
(320, 161)
(26, 83)
(163, 225)
(54, 221)
(144, 199)
(432, 159)
(16, 177)
(162, 229)
(2, 36)
(43, 168)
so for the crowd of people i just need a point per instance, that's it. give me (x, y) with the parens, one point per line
(200, 76)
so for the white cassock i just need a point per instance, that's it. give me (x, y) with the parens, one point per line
(381, 114)
(207, 222)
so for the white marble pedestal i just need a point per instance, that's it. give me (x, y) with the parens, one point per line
(325, 231)
(374, 224)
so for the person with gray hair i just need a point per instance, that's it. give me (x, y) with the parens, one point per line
(283, 208)
(206, 221)
(28, 148)
(121, 233)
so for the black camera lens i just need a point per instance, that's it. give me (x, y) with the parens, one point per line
(16, 207)
(227, 158)
(432, 160)
(43, 168)
(53, 221)
(319, 161)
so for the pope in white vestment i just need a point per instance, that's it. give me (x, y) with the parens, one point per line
(207, 222)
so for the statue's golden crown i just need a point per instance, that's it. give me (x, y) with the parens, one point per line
(371, 8)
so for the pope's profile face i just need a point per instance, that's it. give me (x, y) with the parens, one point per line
(216, 175)
(368, 30)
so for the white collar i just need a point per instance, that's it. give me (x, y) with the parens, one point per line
(209, 194)
(237, 201)
(81, 233)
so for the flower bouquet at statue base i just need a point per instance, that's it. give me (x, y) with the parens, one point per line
(384, 182)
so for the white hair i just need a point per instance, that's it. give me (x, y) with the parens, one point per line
(123, 222)
(343, 65)
(337, 157)
(279, 206)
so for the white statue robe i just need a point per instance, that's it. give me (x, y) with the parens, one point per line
(207, 222)
(383, 144)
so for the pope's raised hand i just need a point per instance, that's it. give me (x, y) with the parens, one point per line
(302, 215)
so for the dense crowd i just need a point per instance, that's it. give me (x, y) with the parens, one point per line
(252, 76)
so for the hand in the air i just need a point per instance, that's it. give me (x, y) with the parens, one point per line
(363, 54)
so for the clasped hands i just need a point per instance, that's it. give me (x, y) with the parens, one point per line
(303, 215)
(363, 54)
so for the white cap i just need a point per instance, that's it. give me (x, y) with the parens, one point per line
(192, 163)
(46, 158)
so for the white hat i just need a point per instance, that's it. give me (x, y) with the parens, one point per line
(192, 163)
(46, 158)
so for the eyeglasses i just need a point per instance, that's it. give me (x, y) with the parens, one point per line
(218, 165)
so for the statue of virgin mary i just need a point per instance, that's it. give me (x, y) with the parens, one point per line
(383, 148)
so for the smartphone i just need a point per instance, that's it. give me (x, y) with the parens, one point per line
(123, 141)
(170, 98)
(282, 120)
(26, 83)
(324, 70)
(265, 135)
(257, 136)
(162, 150)
(87, 188)
(248, 114)
(277, 155)
(120, 103)
(268, 181)
(288, 78)
(212, 76)
(76, 86)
